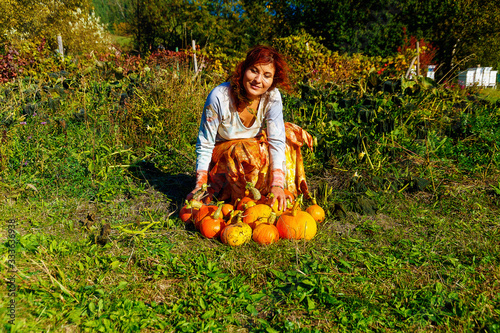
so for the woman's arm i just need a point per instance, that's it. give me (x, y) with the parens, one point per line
(205, 142)
(277, 143)
(276, 137)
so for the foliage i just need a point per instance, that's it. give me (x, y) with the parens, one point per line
(426, 51)
(113, 13)
(97, 156)
(233, 26)
(31, 22)
(458, 28)
(368, 27)
(313, 64)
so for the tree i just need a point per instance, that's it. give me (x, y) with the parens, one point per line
(233, 25)
(350, 26)
(459, 28)
(113, 12)
(27, 22)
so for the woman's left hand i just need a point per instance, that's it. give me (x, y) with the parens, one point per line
(278, 194)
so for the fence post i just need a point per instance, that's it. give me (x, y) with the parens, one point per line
(418, 59)
(60, 48)
(194, 57)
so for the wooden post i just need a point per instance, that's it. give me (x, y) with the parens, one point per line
(60, 48)
(177, 62)
(418, 59)
(194, 57)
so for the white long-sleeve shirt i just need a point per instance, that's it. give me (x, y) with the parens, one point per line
(220, 121)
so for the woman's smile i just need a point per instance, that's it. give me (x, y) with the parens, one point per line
(258, 79)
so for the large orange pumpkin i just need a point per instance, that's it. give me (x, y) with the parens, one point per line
(296, 224)
(236, 234)
(255, 215)
(265, 233)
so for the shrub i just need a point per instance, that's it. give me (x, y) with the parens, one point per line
(27, 24)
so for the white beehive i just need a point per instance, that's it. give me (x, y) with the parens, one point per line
(479, 76)
(493, 79)
(466, 78)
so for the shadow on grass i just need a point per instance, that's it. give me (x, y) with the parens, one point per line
(175, 186)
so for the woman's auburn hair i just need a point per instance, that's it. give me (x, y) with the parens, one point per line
(260, 54)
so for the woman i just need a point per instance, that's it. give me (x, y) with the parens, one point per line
(234, 147)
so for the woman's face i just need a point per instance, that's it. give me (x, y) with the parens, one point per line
(257, 79)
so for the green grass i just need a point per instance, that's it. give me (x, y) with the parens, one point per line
(124, 42)
(414, 248)
(491, 94)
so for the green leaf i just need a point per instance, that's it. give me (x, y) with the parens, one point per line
(271, 330)
(250, 308)
(278, 274)
(308, 282)
(256, 297)
(122, 284)
(208, 314)
(311, 305)
(202, 303)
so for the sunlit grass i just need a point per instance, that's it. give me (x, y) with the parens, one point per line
(414, 247)
(491, 94)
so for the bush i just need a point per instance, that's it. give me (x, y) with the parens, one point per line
(26, 25)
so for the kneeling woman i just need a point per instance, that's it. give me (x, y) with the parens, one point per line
(243, 137)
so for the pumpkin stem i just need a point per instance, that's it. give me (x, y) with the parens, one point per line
(235, 216)
(255, 192)
(218, 212)
(272, 218)
(200, 194)
(313, 198)
(195, 204)
(296, 207)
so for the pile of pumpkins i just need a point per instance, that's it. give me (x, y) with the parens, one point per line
(251, 217)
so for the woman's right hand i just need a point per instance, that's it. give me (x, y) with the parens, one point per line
(191, 195)
(201, 185)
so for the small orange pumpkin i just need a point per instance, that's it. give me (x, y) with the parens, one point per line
(236, 234)
(227, 209)
(211, 225)
(265, 234)
(275, 205)
(244, 203)
(186, 212)
(289, 195)
(205, 210)
(255, 215)
(316, 211)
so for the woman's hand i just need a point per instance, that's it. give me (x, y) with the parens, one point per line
(192, 193)
(278, 194)
(201, 186)
(200, 193)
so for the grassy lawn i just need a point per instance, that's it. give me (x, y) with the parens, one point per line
(95, 168)
(491, 94)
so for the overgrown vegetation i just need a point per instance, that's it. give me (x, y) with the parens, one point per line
(97, 156)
